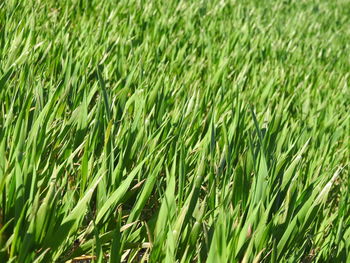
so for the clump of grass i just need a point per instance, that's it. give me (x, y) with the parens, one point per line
(174, 131)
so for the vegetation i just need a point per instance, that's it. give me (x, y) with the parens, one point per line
(175, 131)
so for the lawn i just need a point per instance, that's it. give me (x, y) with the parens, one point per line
(175, 131)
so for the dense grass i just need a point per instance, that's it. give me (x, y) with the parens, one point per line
(178, 131)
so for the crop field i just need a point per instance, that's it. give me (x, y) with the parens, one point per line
(175, 131)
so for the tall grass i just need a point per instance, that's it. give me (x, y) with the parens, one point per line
(174, 131)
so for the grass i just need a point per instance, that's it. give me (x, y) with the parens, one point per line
(174, 131)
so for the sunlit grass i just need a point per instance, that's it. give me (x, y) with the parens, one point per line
(174, 131)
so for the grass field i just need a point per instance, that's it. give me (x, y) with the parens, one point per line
(175, 131)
